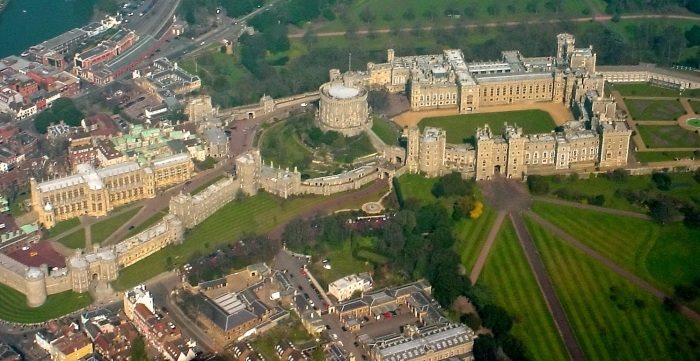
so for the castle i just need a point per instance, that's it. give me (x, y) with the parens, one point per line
(443, 81)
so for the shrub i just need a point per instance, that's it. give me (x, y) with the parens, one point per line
(662, 180)
(538, 184)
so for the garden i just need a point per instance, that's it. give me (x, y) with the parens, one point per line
(668, 136)
(461, 128)
(654, 109)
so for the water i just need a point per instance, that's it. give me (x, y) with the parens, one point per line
(28, 22)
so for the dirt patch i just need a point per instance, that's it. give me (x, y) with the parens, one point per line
(559, 113)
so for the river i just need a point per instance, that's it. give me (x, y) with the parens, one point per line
(28, 22)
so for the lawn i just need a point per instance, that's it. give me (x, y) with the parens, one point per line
(650, 157)
(103, 229)
(17, 205)
(461, 128)
(207, 184)
(510, 283)
(280, 145)
(13, 305)
(663, 255)
(668, 136)
(63, 226)
(653, 109)
(342, 262)
(695, 104)
(611, 318)
(74, 240)
(257, 214)
(386, 130)
(683, 186)
(470, 236)
(644, 90)
(353, 148)
(416, 186)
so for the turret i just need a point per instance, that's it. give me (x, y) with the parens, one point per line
(35, 280)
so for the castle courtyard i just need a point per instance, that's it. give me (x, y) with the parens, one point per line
(559, 113)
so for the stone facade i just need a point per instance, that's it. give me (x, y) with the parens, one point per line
(95, 192)
(650, 73)
(193, 209)
(343, 108)
(447, 80)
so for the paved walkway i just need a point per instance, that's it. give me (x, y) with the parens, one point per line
(629, 276)
(483, 255)
(547, 288)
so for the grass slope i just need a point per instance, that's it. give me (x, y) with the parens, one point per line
(63, 226)
(664, 255)
(418, 187)
(683, 187)
(648, 109)
(280, 144)
(668, 136)
(74, 240)
(612, 319)
(387, 131)
(461, 128)
(103, 229)
(257, 214)
(511, 284)
(13, 305)
(470, 235)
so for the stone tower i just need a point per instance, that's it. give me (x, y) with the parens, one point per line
(432, 151)
(565, 46)
(515, 168)
(484, 150)
(248, 167)
(412, 135)
(614, 144)
(35, 281)
(389, 56)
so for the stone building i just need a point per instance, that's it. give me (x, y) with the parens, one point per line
(343, 108)
(95, 192)
(193, 209)
(447, 80)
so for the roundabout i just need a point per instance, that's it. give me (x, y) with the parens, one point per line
(372, 207)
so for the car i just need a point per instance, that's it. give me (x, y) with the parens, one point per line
(303, 104)
(165, 310)
(300, 288)
(328, 327)
(131, 227)
(202, 43)
(171, 325)
(335, 336)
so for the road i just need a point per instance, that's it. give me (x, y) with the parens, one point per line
(285, 261)
(495, 24)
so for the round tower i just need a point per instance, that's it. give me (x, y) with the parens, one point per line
(108, 265)
(79, 273)
(343, 108)
(36, 287)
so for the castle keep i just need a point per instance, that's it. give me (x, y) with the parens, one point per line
(442, 81)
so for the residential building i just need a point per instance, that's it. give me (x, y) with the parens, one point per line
(343, 288)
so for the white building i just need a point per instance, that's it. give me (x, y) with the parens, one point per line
(342, 289)
(137, 295)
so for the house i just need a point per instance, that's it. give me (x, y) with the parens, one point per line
(342, 289)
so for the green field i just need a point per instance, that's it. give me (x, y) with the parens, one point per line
(695, 104)
(416, 186)
(650, 157)
(470, 236)
(342, 262)
(668, 136)
(683, 187)
(654, 109)
(386, 130)
(103, 229)
(694, 122)
(63, 226)
(74, 240)
(461, 128)
(511, 284)
(387, 12)
(280, 145)
(644, 90)
(13, 305)
(612, 319)
(257, 214)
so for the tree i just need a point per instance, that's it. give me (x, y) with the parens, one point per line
(462, 206)
(693, 35)
(485, 348)
(662, 180)
(618, 175)
(366, 15)
(377, 99)
(663, 211)
(452, 185)
(138, 350)
(497, 319)
(538, 184)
